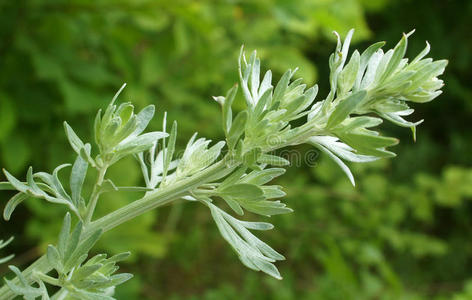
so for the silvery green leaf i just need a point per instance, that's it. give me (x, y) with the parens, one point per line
(398, 54)
(265, 207)
(86, 295)
(348, 75)
(264, 101)
(369, 143)
(31, 183)
(369, 75)
(345, 107)
(396, 117)
(281, 86)
(12, 204)
(19, 186)
(242, 191)
(75, 142)
(72, 241)
(108, 186)
(3, 244)
(117, 280)
(315, 110)
(125, 111)
(273, 191)
(63, 239)
(119, 257)
(266, 83)
(24, 289)
(77, 178)
(85, 271)
(252, 252)
(56, 183)
(138, 144)
(360, 122)
(6, 186)
(110, 130)
(338, 161)
(364, 60)
(245, 70)
(237, 129)
(234, 205)
(81, 250)
(143, 118)
(341, 150)
(234, 177)
(263, 176)
(169, 151)
(345, 48)
(97, 127)
(382, 66)
(54, 258)
(421, 54)
(6, 258)
(429, 71)
(273, 160)
(85, 154)
(124, 131)
(255, 76)
(250, 158)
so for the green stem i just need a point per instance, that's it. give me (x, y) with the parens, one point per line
(60, 295)
(95, 195)
(151, 201)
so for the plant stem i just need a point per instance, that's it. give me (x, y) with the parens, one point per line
(60, 295)
(151, 201)
(95, 195)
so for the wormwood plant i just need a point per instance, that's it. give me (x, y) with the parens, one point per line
(365, 89)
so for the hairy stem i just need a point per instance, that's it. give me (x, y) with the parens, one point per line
(151, 201)
(95, 195)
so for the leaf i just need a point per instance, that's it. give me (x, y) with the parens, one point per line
(81, 251)
(345, 107)
(342, 150)
(338, 161)
(12, 204)
(273, 191)
(263, 176)
(143, 118)
(73, 241)
(138, 144)
(169, 151)
(54, 258)
(75, 142)
(237, 129)
(63, 239)
(20, 186)
(234, 205)
(354, 123)
(6, 186)
(252, 252)
(77, 178)
(273, 160)
(242, 191)
(369, 144)
(281, 86)
(250, 158)
(398, 53)
(24, 289)
(348, 75)
(266, 208)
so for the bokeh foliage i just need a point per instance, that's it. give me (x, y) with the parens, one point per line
(403, 233)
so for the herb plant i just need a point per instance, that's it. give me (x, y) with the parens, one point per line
(365, 89)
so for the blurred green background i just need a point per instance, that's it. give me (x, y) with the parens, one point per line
(403, 233)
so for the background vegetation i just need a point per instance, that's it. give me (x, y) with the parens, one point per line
(403, 233)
